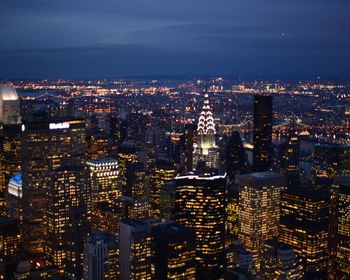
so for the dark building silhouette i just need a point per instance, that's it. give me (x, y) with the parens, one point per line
(292, 159)
(235, 155)
(190, 139)
(76, 234)
(174, 252)
(262, 133)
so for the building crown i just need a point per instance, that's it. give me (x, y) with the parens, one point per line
(206, 123)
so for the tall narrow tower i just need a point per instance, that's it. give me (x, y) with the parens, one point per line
(262, 133)
(205, 150)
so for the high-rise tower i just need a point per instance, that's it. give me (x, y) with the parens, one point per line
(262, 133)
(46, 146)
(304, 225)
(205, 150)
(259, 210)
(200, 205)
(343, 248)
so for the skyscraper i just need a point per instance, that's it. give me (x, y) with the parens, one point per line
(329, 161)
(232, 214)
(174, 252)
(46, 145)
(259, 210)
(200, 205)
(190, 139)
(292, 159)
(101, 257)
(262, 133)
(304, 226)
(104, 177)
(162, 173)
(205, 149)
(11, 146)
(10, 237)
(125, 154)
(98, 147)
(67, 190)
(135, 250)
(343, 248)
(9, 105)
(135, 180)
(15, 207)
(235, 155)
(75, 236)
(167, 198)
(3, 189)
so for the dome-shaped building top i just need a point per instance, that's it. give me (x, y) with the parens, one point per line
(8, 93)
(9, 105)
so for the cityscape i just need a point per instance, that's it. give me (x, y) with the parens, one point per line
(174, 140)
(175, 179)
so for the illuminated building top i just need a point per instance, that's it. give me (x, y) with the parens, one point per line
(206, 123)
(8, 93)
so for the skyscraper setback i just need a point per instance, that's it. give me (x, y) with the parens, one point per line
(262, 133)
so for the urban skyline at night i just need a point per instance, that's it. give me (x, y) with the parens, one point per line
(184, 140)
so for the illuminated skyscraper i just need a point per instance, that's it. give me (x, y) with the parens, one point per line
(330, 160)
(15, 207)
(174, 252)
(232, 214)
(162, 173)
(235, 155)
(67, 190)
(98, 147)
(259, 210)
(135, 250)
(11, 145)
(343, 248)
(205, 149)
(280, 262)
(106, 216)
(9, 105)
(104, 177)
(304, 226)
(3, 189)
(135, 180)
(262, 133)
(10, 161)
(201, 205)
(46, 145)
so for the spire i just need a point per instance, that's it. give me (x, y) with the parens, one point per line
(206, 119)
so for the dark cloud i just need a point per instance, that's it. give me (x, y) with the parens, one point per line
(112, 38)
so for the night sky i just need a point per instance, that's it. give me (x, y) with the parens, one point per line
(129, 38)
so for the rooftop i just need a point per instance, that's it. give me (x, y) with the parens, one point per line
(8, 93)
